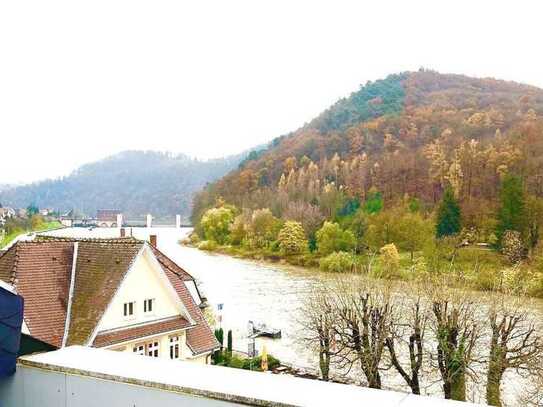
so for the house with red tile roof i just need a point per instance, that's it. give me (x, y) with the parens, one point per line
(121, 294)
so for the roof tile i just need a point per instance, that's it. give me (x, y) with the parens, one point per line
(111, 338)
(41, 273)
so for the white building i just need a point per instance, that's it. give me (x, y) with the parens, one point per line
(120, 294)
(5, 214)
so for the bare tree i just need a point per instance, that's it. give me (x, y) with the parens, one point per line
(456, 332)
(364, 323)
(410, 327)
(308, 215)
(318, 319)
(515, 343)
(533, 395)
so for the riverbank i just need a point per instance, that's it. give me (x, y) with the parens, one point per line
(473, 267)
(252, 290)
(43, 227)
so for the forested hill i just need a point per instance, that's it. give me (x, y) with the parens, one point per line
(135, 182)
(411, 134)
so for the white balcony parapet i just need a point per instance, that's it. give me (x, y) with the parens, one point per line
(84, 377)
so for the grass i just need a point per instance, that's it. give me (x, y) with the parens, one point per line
(43, 227)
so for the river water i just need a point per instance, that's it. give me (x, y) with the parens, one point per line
(247, 290)
(253, 291)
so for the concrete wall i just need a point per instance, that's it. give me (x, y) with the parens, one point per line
(78, 376)
(31, 387)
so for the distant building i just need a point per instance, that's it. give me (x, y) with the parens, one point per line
(72, 218)
(47, 212)
(107, 218)
(119, 294)
(21, 213)
(5, 214)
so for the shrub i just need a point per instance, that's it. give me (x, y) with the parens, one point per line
(263, 228)
(440, 254)
(194, 238)
(337, 262)
(236, 362)
(256, 362)
(536, 285)
(216, 224)
(207, 245)
(390, 259)
(291, 238)
(512, 246)
(331, 238)
(238, 230)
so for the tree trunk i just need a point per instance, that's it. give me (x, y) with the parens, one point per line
(494, 378)
(458, 386)
(374, 380)
(415, 386)
(447, 390)
(496, 369)
(324, 363)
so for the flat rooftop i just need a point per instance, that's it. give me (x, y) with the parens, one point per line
(218, 383)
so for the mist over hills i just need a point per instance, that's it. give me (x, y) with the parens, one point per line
(136, 182)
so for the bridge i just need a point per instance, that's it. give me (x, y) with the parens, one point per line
(147, 221)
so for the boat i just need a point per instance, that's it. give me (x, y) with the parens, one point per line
(260, 329)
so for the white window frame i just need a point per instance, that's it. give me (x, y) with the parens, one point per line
(147, 301)
(126, 309)
(175, 347)
(139, 349)
(153, 349)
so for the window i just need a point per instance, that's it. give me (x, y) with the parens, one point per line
(174, 347)
(149, 306)
(152, 349)
(129, 308)
(139, 349)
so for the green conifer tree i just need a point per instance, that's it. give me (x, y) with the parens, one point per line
(448, 215)
(229, 343)
(511, 212)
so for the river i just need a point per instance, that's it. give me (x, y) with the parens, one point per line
(260, 292)
(247, 290)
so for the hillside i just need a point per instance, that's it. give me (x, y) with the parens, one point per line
(135, 182)
(409, 134)
(3, 187)
(417, 175)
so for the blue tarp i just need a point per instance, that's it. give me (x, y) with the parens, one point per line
(11, 319)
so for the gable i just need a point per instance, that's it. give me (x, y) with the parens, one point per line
(144, 281)
(100, 269)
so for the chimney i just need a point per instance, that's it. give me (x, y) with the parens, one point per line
(119, 220)
(152, 240)
(123, 232)
(177, 221)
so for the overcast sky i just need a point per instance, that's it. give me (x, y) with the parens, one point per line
(83, 80)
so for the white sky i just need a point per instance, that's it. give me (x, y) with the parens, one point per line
(83, 80)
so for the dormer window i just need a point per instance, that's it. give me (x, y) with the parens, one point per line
(129, 309)
(149, 306)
